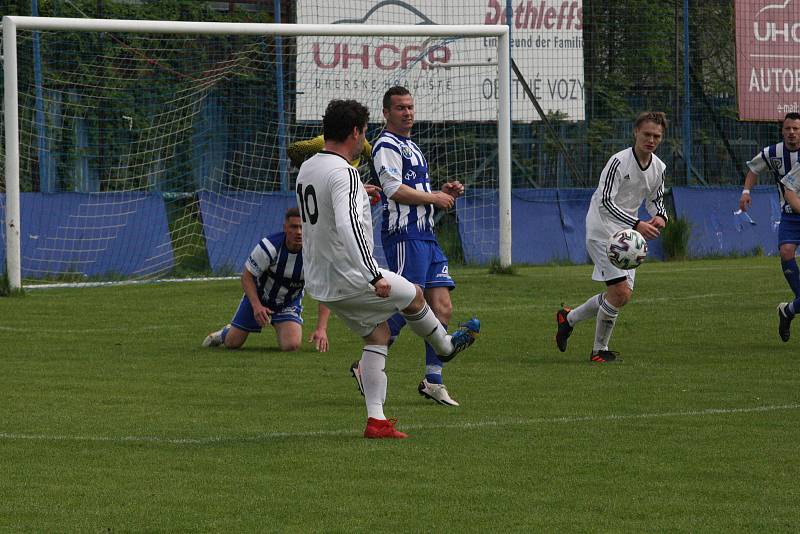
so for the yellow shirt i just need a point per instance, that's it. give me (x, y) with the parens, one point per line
(300, 150)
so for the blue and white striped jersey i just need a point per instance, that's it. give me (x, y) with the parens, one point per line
(777, 160)
(398, 160)
(278, 272)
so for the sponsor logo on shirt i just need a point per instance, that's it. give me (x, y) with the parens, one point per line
(410, 175)
(777, 163)
(627, 177)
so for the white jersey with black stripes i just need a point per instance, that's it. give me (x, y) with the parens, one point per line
(337, 228)
(624, 185)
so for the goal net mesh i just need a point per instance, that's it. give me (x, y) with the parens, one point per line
(145, 155)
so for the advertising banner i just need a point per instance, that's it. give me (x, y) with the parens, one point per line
(767, 58)
(450, 78)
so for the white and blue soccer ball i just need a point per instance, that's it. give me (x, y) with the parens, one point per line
(626, 249)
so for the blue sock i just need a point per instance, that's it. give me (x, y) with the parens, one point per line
(433, 365)
(225, 333)
(793, 307)
(790, 271)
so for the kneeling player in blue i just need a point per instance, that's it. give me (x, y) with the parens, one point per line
(273, 290)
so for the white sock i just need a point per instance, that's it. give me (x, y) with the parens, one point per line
(606, 318)
(373, 378)
(586, 310)
(425, 324)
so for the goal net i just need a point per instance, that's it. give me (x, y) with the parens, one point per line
(156, 149)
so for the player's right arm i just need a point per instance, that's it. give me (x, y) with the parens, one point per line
(259, 261)
(745, 200)
(300, 150)
(757, 165)
(407, 195)
(260, 312)
(610, 180)
(348, 198)
(389, 167)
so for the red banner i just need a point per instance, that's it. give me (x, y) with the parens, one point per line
(767, 58)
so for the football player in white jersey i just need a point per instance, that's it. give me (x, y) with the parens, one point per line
(630, 177)
(341, 270)
(407, 234)
(778, 161)
(272, 280)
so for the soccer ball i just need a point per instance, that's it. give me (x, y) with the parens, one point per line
(626, 249)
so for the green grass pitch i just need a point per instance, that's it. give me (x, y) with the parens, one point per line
(113, 418)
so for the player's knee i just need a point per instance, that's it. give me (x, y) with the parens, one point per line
(292, 345)
(443, 310)
(417, 303)
(233, 344)
(619, 294)
(379, 336)
(787, 252)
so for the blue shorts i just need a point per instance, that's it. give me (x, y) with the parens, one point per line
(244, 319)
(420, 262)
(789, 229)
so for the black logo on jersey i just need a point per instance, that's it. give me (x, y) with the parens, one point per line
(777, 163)
(627, 177)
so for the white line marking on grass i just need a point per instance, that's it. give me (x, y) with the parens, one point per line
(10, 436)
(644, 300)
(81, 285)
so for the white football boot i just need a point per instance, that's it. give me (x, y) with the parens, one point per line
(356, 373)
(436, 392)
(214, 339)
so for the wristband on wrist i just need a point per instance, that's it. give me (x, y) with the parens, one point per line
(745, 191)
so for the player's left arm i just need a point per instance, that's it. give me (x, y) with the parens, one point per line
(320, 336)
(455, 188)
(791, 187)
(655, 205)
(793, 199)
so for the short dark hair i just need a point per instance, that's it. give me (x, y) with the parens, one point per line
(397, 90)
(658, 117)
(341, 116)
(291, 212)
(793, 116)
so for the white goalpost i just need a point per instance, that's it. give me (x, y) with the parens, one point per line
(138, 149)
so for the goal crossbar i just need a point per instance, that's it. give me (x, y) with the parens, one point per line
(10, 24)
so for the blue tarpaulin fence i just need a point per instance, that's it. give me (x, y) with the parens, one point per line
(126, 234)
(93, 235)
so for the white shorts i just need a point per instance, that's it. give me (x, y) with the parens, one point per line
(603, 269)
(362, 313)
